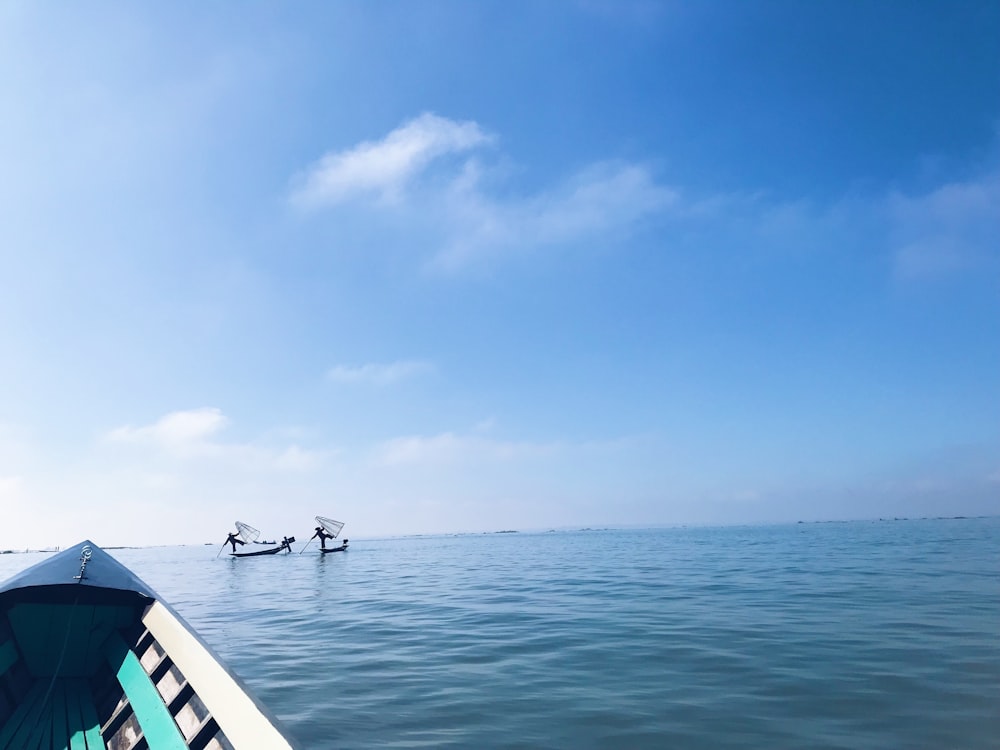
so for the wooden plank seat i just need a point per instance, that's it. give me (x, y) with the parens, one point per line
(55, 714)
(59, 714)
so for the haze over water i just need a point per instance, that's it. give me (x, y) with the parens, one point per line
(841, 635)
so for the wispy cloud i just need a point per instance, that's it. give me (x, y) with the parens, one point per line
(478, 448)
(379, 374)
(461, 213)
(952, 229)
(176, 428)
(456, 205)
(192, 435)
(294, 458)
(604, 198)
(382, 169)
(451, 448)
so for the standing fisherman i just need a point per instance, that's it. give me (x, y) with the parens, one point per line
(233, 539)
(323, 536)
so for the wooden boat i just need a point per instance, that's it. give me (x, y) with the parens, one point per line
(285, 545)
(91, 657)
(272, 551)
(327, 529)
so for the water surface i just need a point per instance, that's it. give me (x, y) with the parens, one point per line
(848, 635)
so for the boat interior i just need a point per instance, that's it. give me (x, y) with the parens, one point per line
(80, 669)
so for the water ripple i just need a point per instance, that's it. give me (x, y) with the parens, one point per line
(861, 636)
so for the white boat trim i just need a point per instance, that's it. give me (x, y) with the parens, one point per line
(239, 717)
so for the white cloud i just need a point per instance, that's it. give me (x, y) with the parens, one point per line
(176, 428)
(952, 229)
(383, 168)
(378, 374)
(461, 214)
(603, 198)
(452, 212)
(190, 435)
(448, 448)
(295, 458)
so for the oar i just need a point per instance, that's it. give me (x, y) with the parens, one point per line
(220, 550)
(307, 544)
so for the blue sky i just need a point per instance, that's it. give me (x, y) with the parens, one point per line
(448, 266)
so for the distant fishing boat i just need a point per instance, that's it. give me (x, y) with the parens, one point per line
(91, 657)
(327, 529)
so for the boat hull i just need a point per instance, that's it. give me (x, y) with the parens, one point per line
(341, 548)
(90, 657)
(260, 553)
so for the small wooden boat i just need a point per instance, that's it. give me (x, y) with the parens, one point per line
(327, 529)
(91, 657)
(285, 545)
(273, 551)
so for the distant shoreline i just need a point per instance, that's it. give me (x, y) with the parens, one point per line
(564, 530)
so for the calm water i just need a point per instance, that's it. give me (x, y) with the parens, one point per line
(850, 635)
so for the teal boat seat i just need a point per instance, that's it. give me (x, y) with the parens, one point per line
(158, 726)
